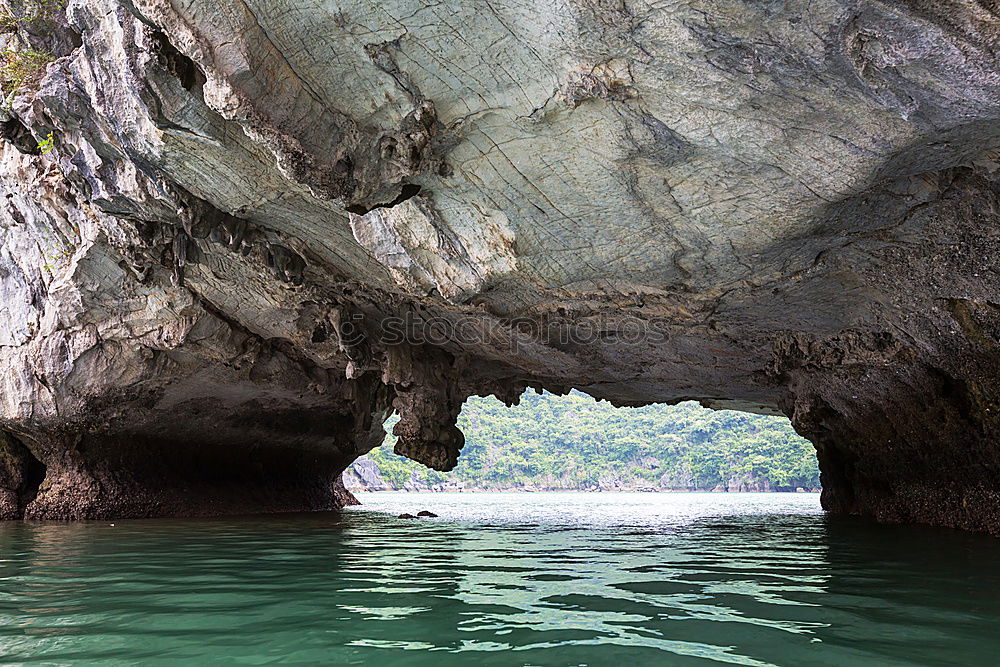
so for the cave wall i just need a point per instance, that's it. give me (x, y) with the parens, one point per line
(264, 225)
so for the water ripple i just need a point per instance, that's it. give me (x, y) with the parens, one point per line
(529, 579)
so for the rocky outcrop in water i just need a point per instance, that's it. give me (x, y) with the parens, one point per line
(363, 474)
(236, 235)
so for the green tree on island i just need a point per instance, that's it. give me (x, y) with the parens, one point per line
(574, 442)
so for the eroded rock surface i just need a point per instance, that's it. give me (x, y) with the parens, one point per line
(264, 225)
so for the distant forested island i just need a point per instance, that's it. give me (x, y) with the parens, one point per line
(569, 442)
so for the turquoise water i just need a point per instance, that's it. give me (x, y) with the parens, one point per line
(504, 579)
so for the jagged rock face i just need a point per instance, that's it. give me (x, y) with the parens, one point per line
(264, 225)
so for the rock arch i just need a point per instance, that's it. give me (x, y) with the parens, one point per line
(213, 287)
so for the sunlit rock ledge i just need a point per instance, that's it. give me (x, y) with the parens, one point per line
(235, 236)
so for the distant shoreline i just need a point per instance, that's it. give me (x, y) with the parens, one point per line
(526, 491)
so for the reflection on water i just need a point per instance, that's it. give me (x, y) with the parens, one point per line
(504, 579)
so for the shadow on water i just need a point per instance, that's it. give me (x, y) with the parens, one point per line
(912, 594)
(503, 581)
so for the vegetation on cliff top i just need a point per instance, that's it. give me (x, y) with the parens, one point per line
(20, 67)
(31, 12)
(574, 442)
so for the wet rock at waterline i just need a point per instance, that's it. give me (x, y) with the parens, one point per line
(235, 236)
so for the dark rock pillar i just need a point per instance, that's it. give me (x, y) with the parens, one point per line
(911, 442)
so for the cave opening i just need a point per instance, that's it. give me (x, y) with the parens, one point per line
(33, 475)
(21, 476)
(575, 443)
